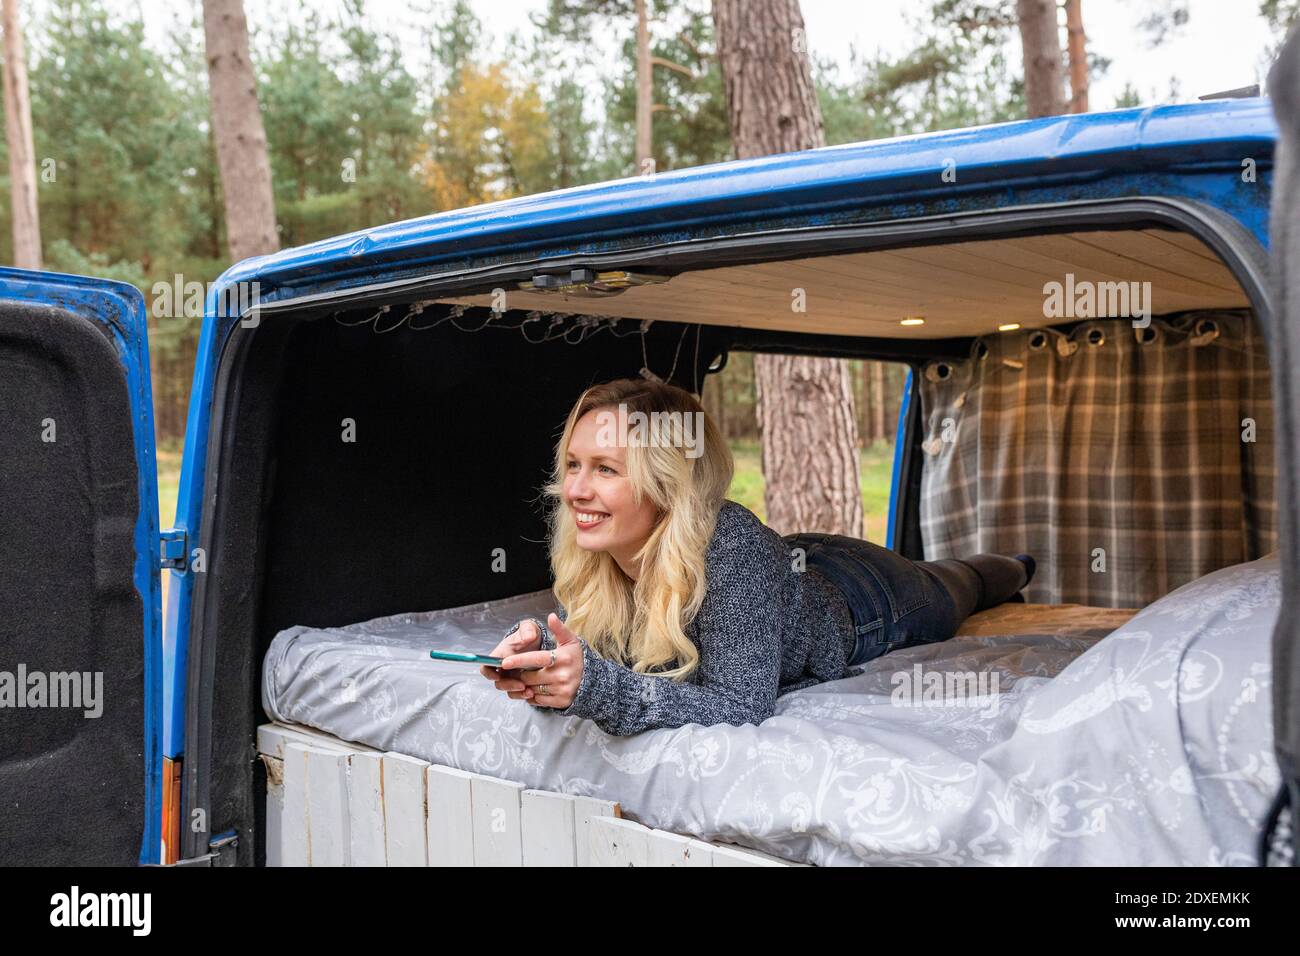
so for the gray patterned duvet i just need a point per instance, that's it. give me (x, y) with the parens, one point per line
(1045, 745)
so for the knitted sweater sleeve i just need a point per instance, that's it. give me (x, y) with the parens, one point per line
(739, 670)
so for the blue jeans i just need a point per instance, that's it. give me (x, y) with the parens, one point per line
(897, 602)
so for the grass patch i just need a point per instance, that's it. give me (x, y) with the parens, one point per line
(169, 483)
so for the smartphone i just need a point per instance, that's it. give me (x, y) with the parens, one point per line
(474, 659)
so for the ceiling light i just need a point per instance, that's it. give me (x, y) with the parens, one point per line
(1009, 327)
(913, 320)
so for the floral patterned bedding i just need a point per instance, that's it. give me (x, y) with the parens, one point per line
(1037, 736)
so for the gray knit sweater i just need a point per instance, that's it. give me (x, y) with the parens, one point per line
(763, 629)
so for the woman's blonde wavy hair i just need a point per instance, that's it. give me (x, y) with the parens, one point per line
(641, 624)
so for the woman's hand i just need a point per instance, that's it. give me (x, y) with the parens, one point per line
(526, 638)
(554, 685)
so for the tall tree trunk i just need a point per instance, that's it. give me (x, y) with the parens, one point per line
(237, 126)
(877, 381)
(1040, 42)
(22, 152)
(861, 397)
(644, 89)
(711, 399)
(805, 412)
(214, 233)
(1078, 47)
(896, 379)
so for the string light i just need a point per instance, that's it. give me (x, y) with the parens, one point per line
(568, 327)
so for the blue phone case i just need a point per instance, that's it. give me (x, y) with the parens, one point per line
(462, 658)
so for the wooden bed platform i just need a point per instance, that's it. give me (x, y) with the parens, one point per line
(334, 803)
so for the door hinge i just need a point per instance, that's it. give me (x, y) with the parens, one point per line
(174, 547)
(221, 852)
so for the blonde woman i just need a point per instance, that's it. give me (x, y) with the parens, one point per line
(682, 606)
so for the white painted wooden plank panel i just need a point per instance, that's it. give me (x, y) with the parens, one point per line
(673, 849)
(366, 810)
(327, 807)
(496, 814)
(618, 842)
(272, 738)
(549, 828)
(451, 817)
(404, 810)
(740, 856)
(703, 849)
(445, 798)
(274, 810)
(295, 847)
(586, 809)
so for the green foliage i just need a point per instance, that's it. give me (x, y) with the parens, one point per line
(358, 135)
(692, 127)
(558, 60)
(63, 256)
(356, 138)
(571, 135)
(1281, 15)
(108, 113)
(573, 21)
(343, 125)
(1163, 20)
(454, 42)
(304, 110)
(848, 114)
(491, 136)
(960, 73)
(1128, 97)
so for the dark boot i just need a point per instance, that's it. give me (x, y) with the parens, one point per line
(1001, 578)
(982, 581)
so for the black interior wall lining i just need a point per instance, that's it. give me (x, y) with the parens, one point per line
(454, 432)
(71, 787)
(454, 435)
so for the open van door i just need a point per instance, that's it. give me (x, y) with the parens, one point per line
(1284, 89)
(80, 649)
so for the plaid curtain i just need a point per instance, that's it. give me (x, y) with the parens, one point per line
(1127, 461)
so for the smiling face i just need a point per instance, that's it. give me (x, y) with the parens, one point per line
(598, 491)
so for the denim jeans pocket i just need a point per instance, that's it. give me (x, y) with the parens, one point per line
(905, 586)
(825, 553)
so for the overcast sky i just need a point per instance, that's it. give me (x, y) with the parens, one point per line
(1221, 47)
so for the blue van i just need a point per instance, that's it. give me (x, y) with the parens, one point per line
(395, 333)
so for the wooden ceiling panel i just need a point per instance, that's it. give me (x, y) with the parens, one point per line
(960, 289)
